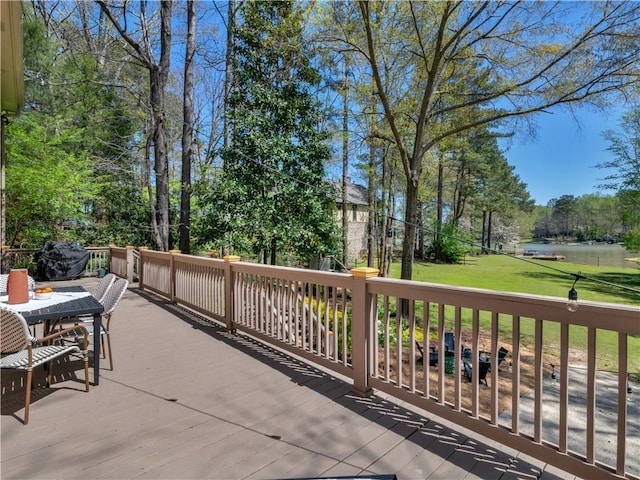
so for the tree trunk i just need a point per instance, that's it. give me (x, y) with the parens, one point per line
(160, 165)
(489, 232)
(187, 132)
(385, 242)
(160, 141)
(158, 75)
(345, 164)
(274, 249)
(484, 231)
(420, 252)
(439, 206)
(228, 77)
(371, 205)
(411, 217)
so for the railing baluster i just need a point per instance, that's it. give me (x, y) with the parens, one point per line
(537, 389)
(515, 375)
(564, 387)
(336, 326)
(426, 329)
(591, 395)
(306, 306)
(457, 402)
(324, 325)
(387, 340)
(345, 331)
(412, 346)
(475, 361)
(398, 341)
(441, 354)
(495, 380)
(622, 402)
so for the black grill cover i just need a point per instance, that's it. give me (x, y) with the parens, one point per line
(61, 261)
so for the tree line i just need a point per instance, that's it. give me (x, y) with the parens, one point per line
(217, 125)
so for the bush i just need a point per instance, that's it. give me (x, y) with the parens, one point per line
(450, 246)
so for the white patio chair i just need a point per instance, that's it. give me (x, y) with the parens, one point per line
(110, 301)
(20, 351)
(102, 288)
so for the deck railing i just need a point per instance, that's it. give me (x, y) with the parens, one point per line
(381, 333)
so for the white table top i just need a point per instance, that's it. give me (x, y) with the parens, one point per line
(33, 304)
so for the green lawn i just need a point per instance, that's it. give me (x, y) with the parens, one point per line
(505, 273)
(500, 272)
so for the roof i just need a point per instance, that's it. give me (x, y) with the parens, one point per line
(12, 79)
(356, 194)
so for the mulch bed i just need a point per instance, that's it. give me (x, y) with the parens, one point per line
(505, 376)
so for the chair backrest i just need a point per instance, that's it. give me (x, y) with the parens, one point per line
(484, 369)
(114, 294)
(449, 342)
(103, 286)
(14, 331)
(502, 353)
(31, 283)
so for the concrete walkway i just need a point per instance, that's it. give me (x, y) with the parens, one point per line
(606, 416)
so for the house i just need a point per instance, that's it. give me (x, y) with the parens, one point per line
(357, 218)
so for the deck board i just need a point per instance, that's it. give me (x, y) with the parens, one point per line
(188, 400)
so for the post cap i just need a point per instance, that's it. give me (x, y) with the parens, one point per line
(365, 272)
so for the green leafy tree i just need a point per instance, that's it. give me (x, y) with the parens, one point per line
(485, 62)
(562, 215)
(73, 82)
(593, 218)
(273, 188)
(625, 179)
(144, 45)
(451, 245)
(46, 187)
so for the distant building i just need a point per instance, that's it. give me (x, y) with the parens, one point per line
(357, 219)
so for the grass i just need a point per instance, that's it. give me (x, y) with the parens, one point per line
(504, 273)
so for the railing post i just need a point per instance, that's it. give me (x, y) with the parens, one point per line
(229, 287)
(361, 316)
(172, 276)
(111, 246)
(130, 263)
(141, 267)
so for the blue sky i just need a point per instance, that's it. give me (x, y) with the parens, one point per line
(561, 159)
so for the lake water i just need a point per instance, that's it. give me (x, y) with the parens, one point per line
(599, 255)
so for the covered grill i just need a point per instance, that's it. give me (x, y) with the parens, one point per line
(61, 261)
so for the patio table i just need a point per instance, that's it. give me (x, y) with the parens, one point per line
(63, 306)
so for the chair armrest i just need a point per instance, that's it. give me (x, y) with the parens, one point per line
(77, 329)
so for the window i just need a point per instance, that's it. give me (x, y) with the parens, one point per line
(354, 213)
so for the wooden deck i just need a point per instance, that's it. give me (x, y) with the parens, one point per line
(188, 400)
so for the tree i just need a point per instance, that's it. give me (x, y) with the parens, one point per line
(143, 51)
(46, 187)
(187, 131)
(625, 179)
(70, 170)
(273, 185)
(487, 62)
(594, 220)
(562, 213)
